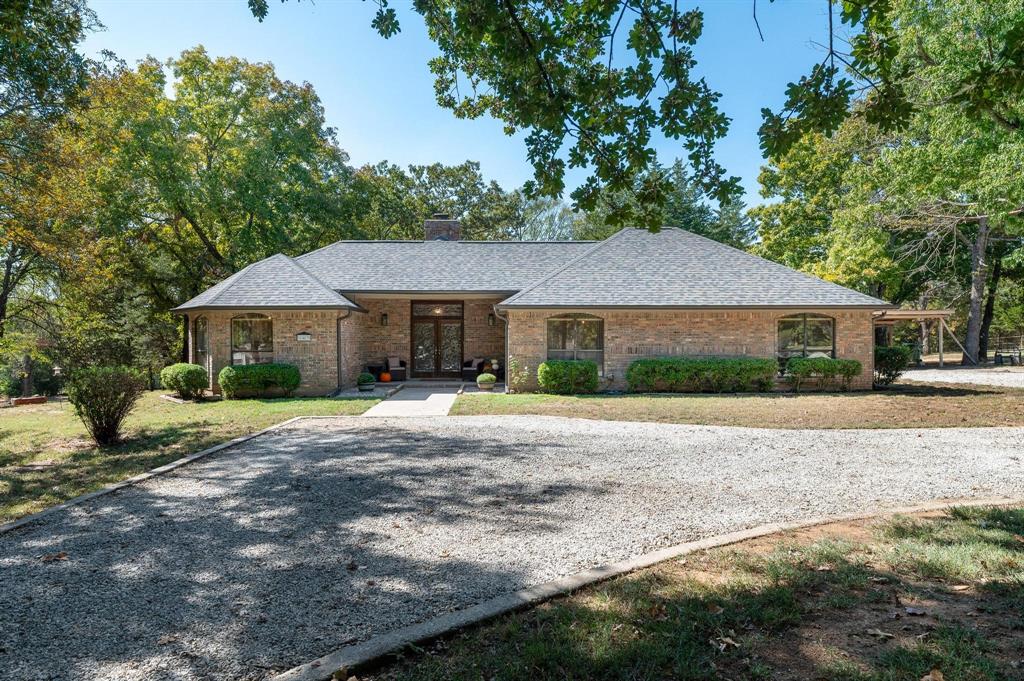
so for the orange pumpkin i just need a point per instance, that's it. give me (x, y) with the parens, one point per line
(385, 377)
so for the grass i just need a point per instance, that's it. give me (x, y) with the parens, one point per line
(882, 601)
(903, 406)
(46, 456)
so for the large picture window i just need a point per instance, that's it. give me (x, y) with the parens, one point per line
(252, 339)
(577, 336)
(807, 335)
(201, 343)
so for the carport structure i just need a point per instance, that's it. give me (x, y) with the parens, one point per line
(888, 318)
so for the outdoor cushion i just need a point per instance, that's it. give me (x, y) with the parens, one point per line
(394, 363)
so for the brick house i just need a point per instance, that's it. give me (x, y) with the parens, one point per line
(443, 308)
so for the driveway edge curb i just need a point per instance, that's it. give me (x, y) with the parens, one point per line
(359, 654)
(128, 482)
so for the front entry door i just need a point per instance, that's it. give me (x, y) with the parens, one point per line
(436, 339)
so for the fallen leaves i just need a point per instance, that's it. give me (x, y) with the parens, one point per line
(933, 675)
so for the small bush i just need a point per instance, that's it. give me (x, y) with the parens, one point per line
(694, 375)
(258, 380)
(103, 397)
(890, 363)
(486, 378)
(365, 379)
(567, 377)
(188, 381)
(828, 372)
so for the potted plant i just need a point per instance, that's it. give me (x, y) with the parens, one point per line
(486, 382)
(366, 382)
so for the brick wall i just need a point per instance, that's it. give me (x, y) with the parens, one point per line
(362, 339)
(631, 334)
(317, 359)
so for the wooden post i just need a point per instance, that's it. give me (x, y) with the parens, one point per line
(942, 327)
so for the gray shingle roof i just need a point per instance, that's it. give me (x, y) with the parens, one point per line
(676, 268)
(435, 266)
(277, 281)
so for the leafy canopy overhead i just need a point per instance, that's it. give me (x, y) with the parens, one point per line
(589, 82)
(890, 59)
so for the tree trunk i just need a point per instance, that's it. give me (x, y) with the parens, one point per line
(990, 302)
(184, 338)
(979, 275)
(27, 389)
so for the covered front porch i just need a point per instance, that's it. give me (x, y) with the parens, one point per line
(433, 338)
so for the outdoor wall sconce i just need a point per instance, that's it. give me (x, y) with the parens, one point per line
(491, 319)
(304, 336)
(383, 318)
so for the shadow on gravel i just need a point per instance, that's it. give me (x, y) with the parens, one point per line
(260, 558)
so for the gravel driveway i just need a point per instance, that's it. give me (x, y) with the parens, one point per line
(292, 544)
(1007, 377)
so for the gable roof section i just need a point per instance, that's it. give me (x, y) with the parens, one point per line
(277, 282)
(438, 266)
(676, 268)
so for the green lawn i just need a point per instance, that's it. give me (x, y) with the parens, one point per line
(46, 456)
(903, 406)
(883, 601)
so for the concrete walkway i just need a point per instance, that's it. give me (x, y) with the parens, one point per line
(418, 401)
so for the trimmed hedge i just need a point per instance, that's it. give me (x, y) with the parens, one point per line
(567, 377)
(698, 375)
(365, 379)
(103, 397)
(826, 370)
(890, 363)
(187, 380)
(258, 380)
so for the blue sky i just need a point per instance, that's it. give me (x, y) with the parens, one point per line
(379, 95)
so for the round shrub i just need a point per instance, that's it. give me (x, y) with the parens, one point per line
(188, 381)
(103, 397)
(365, 379)
(890, 362)
(258, 380)
(486, 378)
(567, 377)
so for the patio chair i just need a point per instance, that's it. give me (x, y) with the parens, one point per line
(397, 368)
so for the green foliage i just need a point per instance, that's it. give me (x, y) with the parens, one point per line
(386, 201)
(103, 397)
(567, 377)
(188, 381)
(694, 374)
(258, 380)
(890, 363)
(827, 371)
(548, 69)
(517, 375)
(486, 378)
(365, 379)
(686, 206)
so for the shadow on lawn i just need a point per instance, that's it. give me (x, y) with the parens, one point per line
(829, 610)
(91, 466)
(262, 558)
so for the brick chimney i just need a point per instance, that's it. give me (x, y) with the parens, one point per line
(441, 227)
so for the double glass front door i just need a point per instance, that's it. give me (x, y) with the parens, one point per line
(436, 340)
